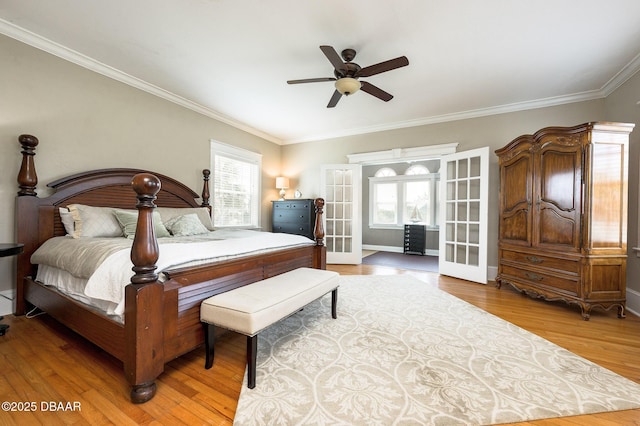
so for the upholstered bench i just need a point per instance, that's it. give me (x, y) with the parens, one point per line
(252, 308)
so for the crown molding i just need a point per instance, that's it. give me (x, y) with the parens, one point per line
(608, 88)
(56, 49)
(397, 155)
(464, 115)
(84, 61)
(622, 76)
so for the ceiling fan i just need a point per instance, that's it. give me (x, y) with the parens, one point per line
(347, 74)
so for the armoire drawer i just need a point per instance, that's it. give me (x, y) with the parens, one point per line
(545, 262)
(564, 283)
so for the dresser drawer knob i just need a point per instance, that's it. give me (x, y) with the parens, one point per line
(534, 259)
(533, 276)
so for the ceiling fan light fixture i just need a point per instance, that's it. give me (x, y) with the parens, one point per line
(347, 85)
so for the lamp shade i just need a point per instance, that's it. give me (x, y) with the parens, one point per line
(347, 85)
(282, 182)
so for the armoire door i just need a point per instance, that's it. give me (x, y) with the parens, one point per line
(558, 176)
(516, 195)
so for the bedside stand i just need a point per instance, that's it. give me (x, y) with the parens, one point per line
(9, 249)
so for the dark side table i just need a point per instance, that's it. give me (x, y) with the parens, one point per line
(9, 249)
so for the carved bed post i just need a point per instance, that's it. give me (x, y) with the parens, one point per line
(320, 260)
(144, 327)
(205, 189)
(26, 224)
(28, 178)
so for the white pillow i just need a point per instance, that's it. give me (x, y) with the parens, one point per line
(188, 224)
(168, 213)
(67, 220)
(92, 221)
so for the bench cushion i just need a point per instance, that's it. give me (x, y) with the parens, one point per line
(251, 308)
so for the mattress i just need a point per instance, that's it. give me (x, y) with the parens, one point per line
(98, 277)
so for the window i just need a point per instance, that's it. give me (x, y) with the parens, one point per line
(385, 171)
(236, 186)
(409, 198)
(417, 169)
(385, 203)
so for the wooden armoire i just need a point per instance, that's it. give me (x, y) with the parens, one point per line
(563, 215)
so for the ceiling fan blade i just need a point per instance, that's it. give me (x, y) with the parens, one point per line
(385, 66)
(311, 80)
(375, 91)
(334, 99)
(334, 58)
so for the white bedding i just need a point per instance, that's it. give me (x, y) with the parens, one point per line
(107, 280)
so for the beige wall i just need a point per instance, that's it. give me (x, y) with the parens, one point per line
(86, 121)
(302, 161)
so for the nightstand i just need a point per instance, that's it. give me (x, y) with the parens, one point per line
(9, 249)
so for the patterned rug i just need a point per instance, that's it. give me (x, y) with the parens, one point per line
(404, 352)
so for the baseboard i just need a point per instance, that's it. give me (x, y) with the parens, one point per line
(492, 273)
(6, 302)
(633, 301)
(391, 249)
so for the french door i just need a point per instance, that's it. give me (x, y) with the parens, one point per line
(341, 187)
(464, 193)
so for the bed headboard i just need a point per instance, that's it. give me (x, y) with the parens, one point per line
(38, 219)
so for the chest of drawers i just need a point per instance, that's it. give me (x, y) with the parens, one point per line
(414, 239)
(294, 217)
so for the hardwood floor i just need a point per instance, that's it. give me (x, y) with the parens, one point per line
(45, 363)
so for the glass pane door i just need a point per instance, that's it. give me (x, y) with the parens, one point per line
(464, 186)
(341, 185)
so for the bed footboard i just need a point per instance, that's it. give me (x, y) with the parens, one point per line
(152, 336)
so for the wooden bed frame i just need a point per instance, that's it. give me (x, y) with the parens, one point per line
(161, 320)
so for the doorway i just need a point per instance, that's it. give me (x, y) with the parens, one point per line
(466, 206)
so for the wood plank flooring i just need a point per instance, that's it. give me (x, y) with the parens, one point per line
(47, 364)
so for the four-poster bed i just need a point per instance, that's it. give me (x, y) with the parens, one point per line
(161, 319)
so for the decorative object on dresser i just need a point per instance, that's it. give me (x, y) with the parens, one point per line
(294, 217)
(563, 215)
(414, 239)
(282, 183)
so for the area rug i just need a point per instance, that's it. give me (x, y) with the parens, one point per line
(403, 261)
(404, 352)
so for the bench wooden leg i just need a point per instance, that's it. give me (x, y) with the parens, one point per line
(252, 353)
(209, 340)
(334, 304)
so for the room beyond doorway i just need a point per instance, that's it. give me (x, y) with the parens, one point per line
(401, 261)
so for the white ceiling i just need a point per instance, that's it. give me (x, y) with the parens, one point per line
(230, 59)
